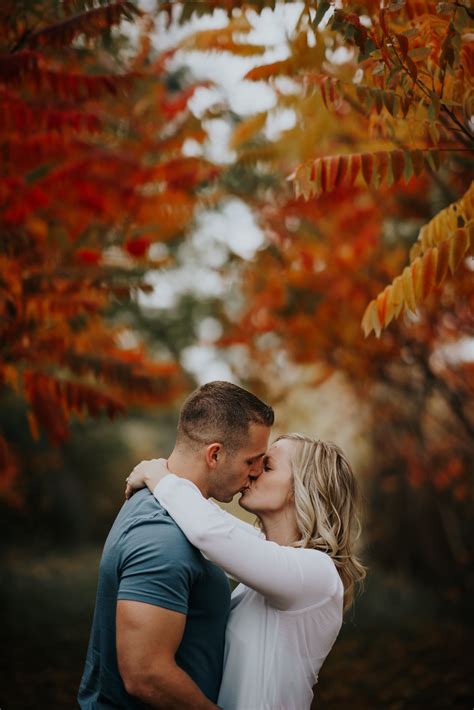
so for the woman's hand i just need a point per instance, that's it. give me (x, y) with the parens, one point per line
(146, 473)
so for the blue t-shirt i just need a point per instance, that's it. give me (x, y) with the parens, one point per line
(147, 558)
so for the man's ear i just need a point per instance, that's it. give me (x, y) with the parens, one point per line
(213, 453)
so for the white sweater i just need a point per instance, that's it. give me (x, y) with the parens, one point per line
(285, 616)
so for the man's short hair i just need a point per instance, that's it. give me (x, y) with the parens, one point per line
(221, 412)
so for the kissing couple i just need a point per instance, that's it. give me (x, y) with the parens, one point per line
(167, 632)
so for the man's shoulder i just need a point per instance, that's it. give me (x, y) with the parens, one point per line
(144, 524)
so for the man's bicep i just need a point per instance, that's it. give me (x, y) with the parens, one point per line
(148, 637)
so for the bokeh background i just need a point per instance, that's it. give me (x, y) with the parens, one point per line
(164, 223)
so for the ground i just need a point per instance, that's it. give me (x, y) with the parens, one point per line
(47, 601)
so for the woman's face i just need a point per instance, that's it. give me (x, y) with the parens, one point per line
(272, 491)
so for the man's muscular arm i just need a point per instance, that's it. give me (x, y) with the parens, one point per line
(148, 638)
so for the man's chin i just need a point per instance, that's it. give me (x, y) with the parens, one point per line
(223, 498)
(242, 502)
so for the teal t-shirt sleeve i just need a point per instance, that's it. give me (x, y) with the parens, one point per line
(157, 566)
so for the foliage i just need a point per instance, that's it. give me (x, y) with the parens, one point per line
(92, 177)
(408, 81)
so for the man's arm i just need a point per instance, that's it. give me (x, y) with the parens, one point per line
(148, 638)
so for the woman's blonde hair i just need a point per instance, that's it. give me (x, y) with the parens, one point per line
(326, 501)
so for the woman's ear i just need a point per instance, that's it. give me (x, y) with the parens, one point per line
(213, 453)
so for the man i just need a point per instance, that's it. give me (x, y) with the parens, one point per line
(157, 636)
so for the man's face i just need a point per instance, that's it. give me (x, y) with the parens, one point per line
(236, 471)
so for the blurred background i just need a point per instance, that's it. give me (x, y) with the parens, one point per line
(170, 215)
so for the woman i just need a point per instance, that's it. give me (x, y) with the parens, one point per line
(296, 578)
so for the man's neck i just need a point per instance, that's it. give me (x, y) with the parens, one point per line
(181, 463)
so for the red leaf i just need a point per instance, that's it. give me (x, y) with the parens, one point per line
(403, 44)
(398, 164)
(88, 256)
(354, 162)
(367, 171)
(178, 104)
(138, 246)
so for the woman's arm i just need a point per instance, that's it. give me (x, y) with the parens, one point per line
(288, 577)
(151, 472)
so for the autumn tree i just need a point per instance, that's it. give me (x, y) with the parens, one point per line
(92, 177)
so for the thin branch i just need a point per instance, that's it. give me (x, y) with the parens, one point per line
(425, 90)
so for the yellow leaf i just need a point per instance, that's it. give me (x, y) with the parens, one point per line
(382, 310)
(408, 291)
(446, 221)
(370, 321)
(396, 296)
(416, 278)
(303, 182)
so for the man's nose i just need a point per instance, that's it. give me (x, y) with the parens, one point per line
(256, 470)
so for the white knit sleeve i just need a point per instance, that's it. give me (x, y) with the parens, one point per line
(288, 577)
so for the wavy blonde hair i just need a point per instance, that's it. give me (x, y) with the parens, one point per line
(326, 501)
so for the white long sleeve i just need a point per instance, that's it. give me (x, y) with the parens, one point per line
(289, 578)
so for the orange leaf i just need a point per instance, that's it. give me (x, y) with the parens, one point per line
(442, 261)
(416, 278)
(247, 129)
(382, 310)
(458, 245)
(428, 271)
(408, 290)
(33, 425)
(286, 66)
